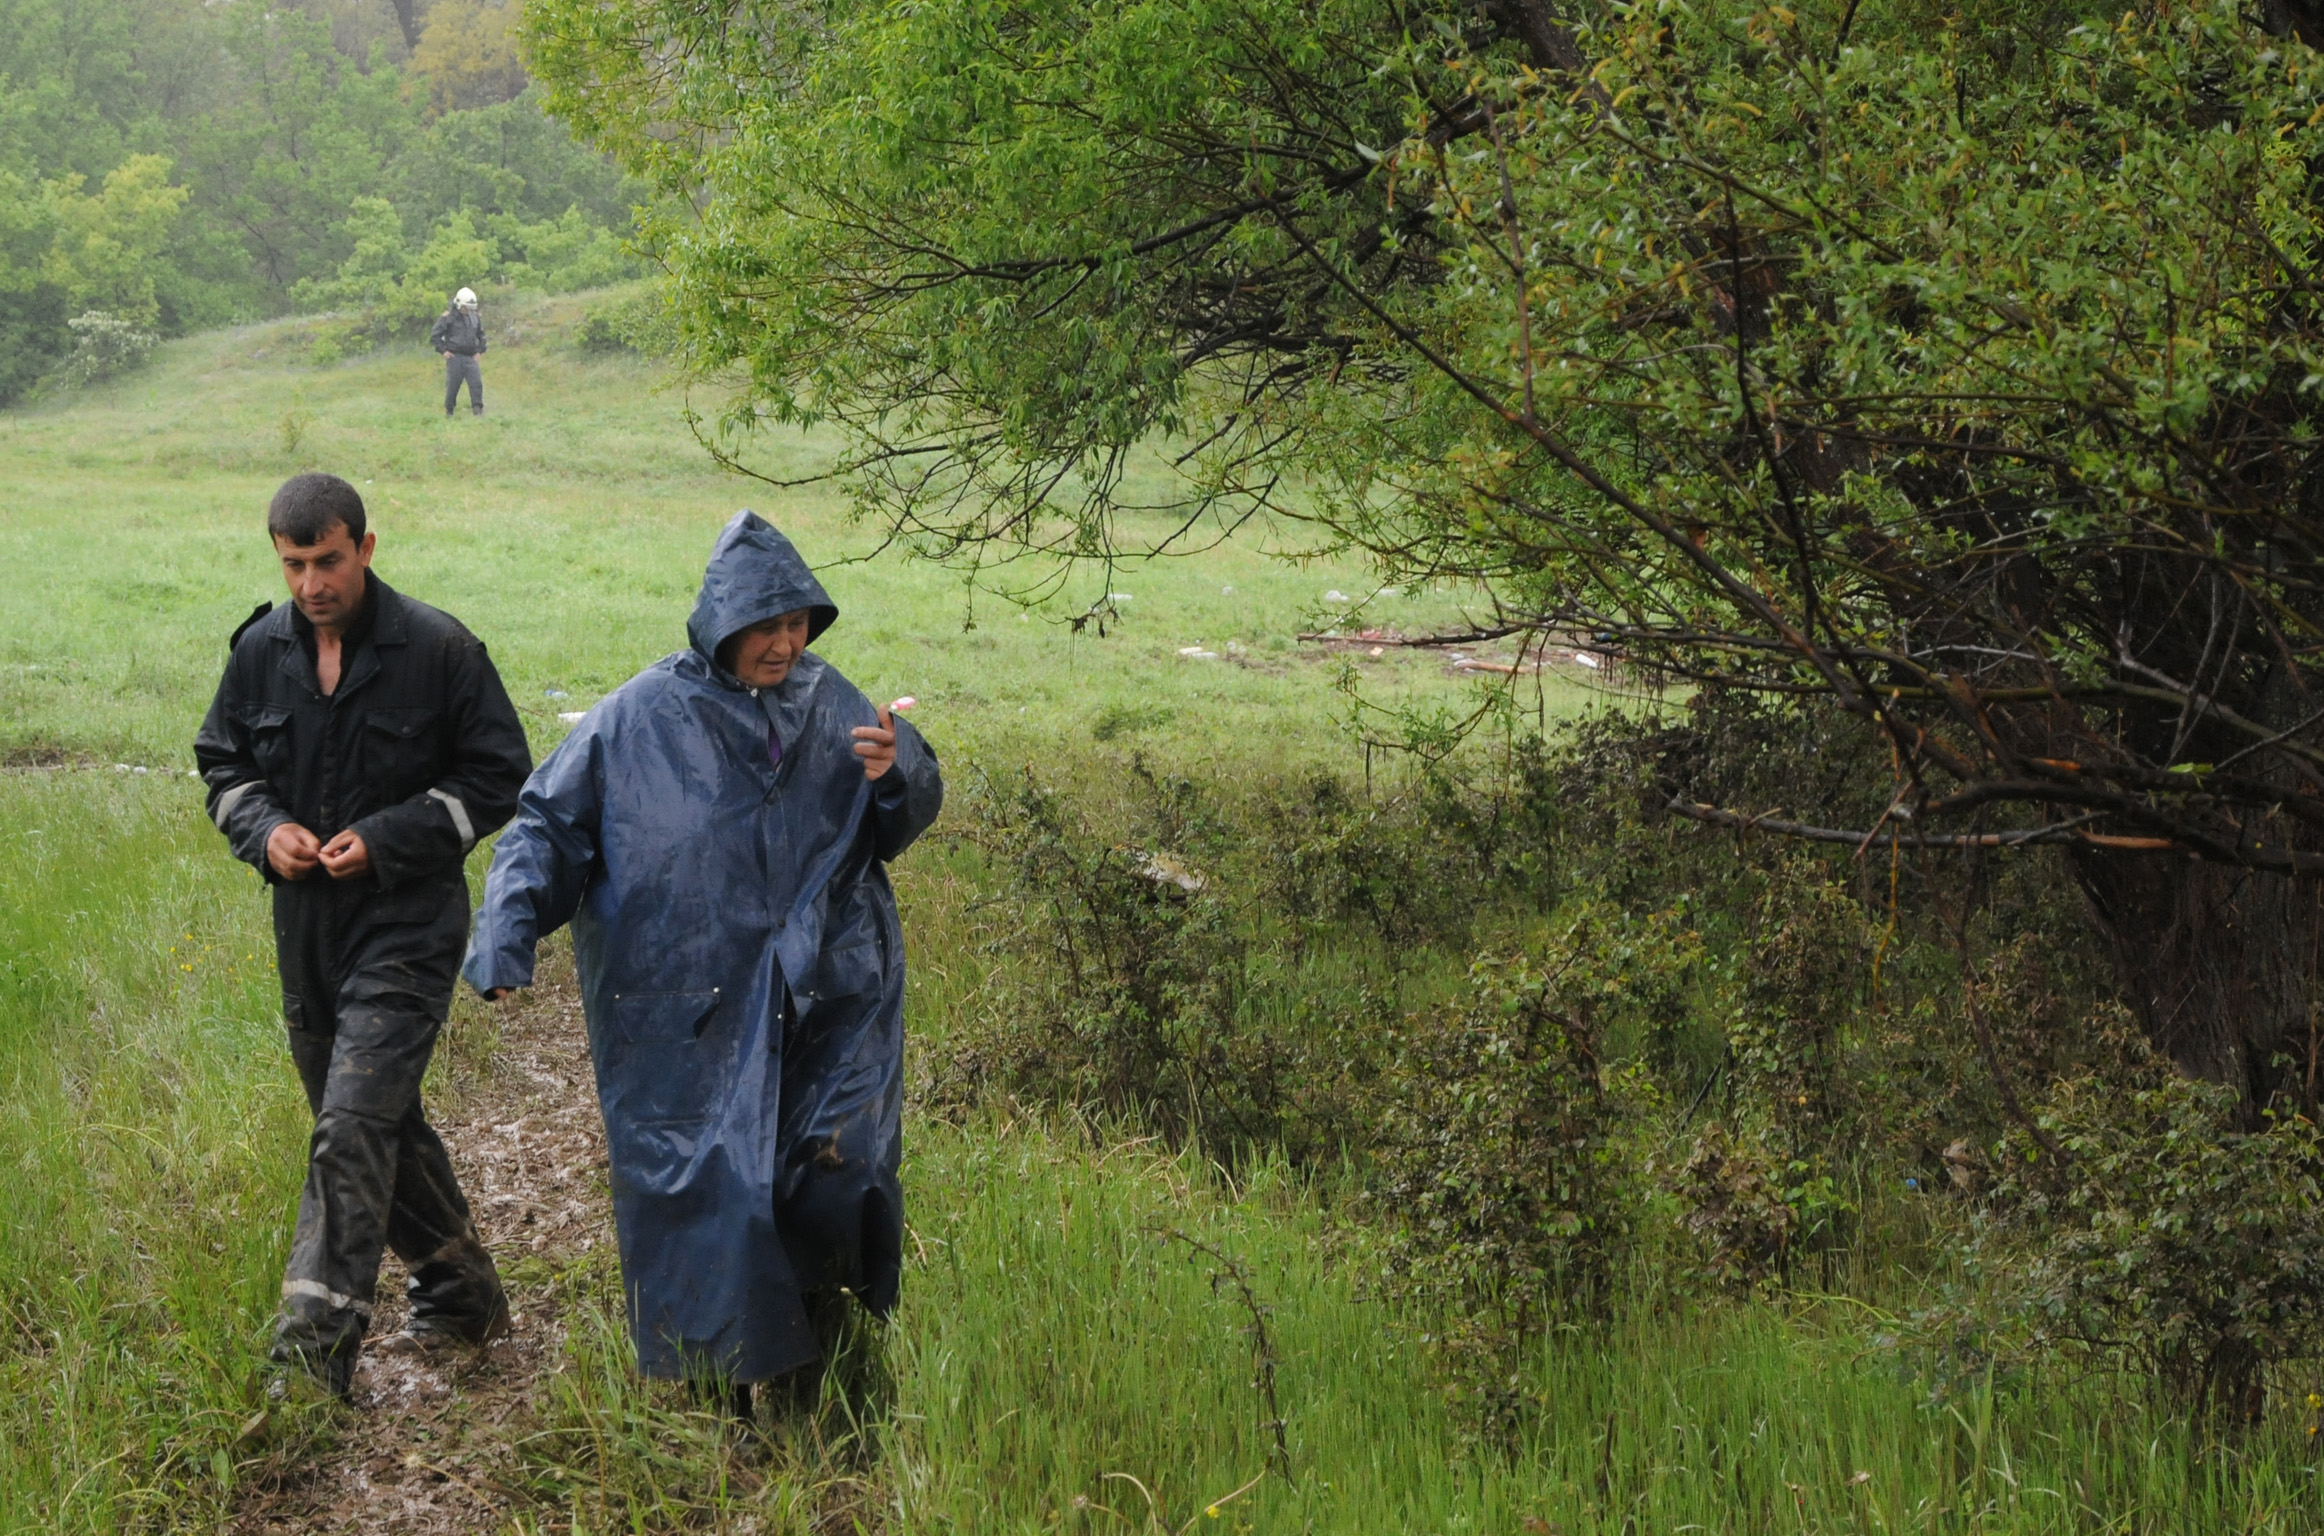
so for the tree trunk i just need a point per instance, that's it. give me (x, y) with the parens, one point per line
(2219, 965)
(407, 16)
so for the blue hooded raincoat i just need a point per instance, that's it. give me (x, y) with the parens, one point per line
(721, 856)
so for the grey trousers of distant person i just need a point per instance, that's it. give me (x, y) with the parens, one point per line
(456, 369)
(366, 1001)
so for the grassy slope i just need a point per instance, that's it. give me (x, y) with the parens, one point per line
(1054, 1343)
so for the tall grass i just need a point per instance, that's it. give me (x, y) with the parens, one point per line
(1065, 1359)
(150, 1132)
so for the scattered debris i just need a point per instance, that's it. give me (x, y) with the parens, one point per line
(1170, 870)
(1197, 653)
(1337, 597)
(1357, 641)
(572, 716)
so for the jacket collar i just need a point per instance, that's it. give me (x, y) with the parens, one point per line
(384, 621)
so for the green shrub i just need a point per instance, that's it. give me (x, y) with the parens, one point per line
(636, 322)
(1754, 1210)
(1126, 977)
(105, 346)
(2169, 1241)
(1497, 1173)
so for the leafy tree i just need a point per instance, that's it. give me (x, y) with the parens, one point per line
(510, 158)
(105, 248)
(32, 307)
(1955, 369)
(466, 55)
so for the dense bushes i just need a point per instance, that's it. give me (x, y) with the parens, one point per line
(2167, 1235)
(1558, 1051)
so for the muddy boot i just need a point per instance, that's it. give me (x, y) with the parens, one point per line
(319, 1342)
(456, 1300)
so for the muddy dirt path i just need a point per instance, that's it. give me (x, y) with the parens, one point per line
(430, 1447)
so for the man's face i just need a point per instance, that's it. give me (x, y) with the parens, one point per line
(762, 655)
(326, 578)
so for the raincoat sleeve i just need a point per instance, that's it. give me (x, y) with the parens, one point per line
(906, 798)
(242, 803)
(475, 796)
(540, 869)
(437, 337)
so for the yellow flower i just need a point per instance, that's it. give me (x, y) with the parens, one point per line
(1212, 1511)
(2315, 1400)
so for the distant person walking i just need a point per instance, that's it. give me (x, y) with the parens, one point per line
(360, 744)
(458, 336)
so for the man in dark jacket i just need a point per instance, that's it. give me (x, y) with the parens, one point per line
(458, 336)
(359, 746)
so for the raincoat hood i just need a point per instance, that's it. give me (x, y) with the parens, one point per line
(754, 575)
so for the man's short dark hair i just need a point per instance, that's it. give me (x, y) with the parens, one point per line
(306, 508)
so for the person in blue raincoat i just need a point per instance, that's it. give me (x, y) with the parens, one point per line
(717, 832)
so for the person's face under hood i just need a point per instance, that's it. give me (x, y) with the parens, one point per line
(760, 607)
(763, 655)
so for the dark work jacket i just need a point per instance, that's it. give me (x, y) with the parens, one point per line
(458, 332)
(742, 969)
(418, 751)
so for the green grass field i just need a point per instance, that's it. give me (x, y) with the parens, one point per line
(1062, 1360)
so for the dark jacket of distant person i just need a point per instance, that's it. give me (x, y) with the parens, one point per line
(459, 332)
(418, 750)
(721, 858)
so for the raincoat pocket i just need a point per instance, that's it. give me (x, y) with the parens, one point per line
(655, 1069)
(847, 972)
(642, 1016)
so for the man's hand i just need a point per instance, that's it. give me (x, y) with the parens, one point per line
(345, 857)
(497, 993)
(292, 850)
(876, 744)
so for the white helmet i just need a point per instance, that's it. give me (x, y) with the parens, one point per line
(465, 298)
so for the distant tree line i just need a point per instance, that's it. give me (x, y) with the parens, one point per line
(172, 165)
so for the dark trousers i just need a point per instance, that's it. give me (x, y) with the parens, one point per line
(365, 992)
(456, 369)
